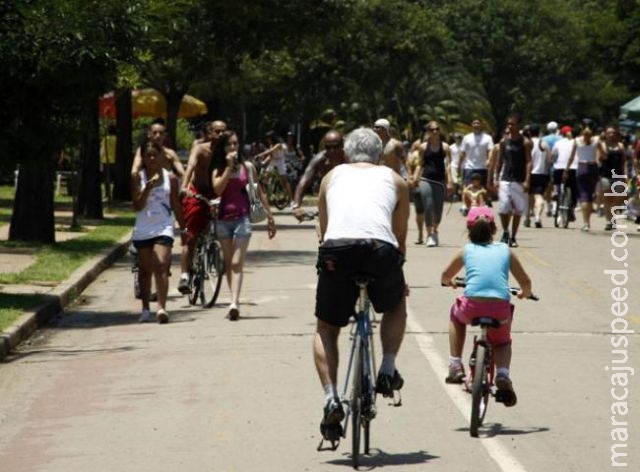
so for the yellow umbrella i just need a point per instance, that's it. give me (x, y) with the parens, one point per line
(150, 102)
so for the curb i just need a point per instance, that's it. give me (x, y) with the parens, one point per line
(60, 297)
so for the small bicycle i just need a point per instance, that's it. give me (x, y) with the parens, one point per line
(360, 401)
(479, 381)
(207, 265)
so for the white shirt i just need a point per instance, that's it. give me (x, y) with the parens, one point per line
(156, 218)
(476, 148)
(586, 153)
(539, 163)
(360, 203)
(562, 152)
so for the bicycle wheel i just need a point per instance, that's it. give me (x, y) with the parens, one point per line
(479, 391)
(278, 194)
(213, 265)
(196, 275)
(566, 206)
(367, 404)
(356, 405)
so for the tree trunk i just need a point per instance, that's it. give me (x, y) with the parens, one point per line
(124, 146)
(33, 212)
(173, 98)
(90, 189)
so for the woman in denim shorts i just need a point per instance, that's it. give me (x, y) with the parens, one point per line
(230, 178)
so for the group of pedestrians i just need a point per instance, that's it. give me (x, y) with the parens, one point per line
(215, 168)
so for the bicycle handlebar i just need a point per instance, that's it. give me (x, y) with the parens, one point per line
(460, 282)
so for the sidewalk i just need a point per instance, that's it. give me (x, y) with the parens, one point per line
(58, 296)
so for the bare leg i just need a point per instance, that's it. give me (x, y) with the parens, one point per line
(325, 352)
(420, 225)
(515, 223)
(392, 328)
(145, 271)
(502, 356)
(457, 333)
(234, 251)
(162, 261)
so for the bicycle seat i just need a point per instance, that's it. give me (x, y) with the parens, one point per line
(362, 279)
(485, 321)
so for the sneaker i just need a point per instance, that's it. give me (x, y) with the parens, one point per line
(585, 228)
(513, 242)
(234, 313)
(386, 384)
(608, 227)
(419, 241)
(505, 237)
(505, 392)
(431, 241)
(463, 210)
(527, 223)
(183, 286)
(145, 316)
(456, 374)
(162, 316)
(538, 224)
(436, 238)
(333, 414)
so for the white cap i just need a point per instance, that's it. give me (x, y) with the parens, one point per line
(383, 123)
(552, 126)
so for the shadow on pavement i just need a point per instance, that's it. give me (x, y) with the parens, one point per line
(491, 430)
(378, 458)
(279, 258)
(53, 353)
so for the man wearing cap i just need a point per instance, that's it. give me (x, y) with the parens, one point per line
(475, 153)
(393, 150)
(560, 155)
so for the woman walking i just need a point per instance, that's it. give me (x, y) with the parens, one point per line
(230, 175)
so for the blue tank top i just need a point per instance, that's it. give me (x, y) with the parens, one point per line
(486, 269)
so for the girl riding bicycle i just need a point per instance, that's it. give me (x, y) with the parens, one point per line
(487, 266)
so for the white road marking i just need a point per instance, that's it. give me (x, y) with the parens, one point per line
(499, 453)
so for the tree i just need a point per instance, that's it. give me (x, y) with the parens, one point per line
(57, 56)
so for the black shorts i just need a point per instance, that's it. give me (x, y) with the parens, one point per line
(160, 240)
(539, 184)
(340, 261)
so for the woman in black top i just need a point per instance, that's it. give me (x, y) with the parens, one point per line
(612, 159)
(433, 171)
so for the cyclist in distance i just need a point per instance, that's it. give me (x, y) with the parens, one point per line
(486, 265)
(323, 162)
(363, 212)
(197, 180)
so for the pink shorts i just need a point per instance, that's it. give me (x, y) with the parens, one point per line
(465, 310)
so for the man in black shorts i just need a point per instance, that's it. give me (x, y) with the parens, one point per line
(363, 213)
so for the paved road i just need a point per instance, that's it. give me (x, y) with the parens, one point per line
(99, 392)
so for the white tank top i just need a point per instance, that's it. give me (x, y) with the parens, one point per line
(360, 203)
(586, 152)
(538, 158)
(156, 218)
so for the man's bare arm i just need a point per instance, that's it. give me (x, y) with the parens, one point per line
(176, 165)
(191, 167)
(400, 217)
(307, 178)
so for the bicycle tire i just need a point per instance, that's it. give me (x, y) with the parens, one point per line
(213, 265)
(366, 422)
(566, 206)
(278, 194)
(195, 276)
(356, 404)
(479, 391)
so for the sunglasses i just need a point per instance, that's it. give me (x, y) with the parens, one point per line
(433, 129)
(329, 147)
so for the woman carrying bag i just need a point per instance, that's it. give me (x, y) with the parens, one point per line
(230, 175)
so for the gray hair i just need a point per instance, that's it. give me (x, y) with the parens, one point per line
(363, 145)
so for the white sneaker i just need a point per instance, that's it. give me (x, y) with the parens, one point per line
(436, 238)
(431, 241)
(145, 317)
(162, 316)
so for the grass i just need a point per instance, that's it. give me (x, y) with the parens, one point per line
(53, 262)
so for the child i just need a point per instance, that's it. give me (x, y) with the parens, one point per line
(474, 193)
(486, 265)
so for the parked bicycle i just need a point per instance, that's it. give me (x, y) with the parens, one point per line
(207, 265)
(480, 381)
(359, 394)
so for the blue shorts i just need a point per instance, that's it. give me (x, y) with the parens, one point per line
(234, 229)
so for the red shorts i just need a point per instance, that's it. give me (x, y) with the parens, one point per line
(465, 310)
(195, 214)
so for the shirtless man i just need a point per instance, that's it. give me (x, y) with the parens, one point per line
(393, 150)
(170, 160)
(320, 165)
(197, 180)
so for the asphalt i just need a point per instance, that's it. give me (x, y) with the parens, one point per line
(58, 296)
